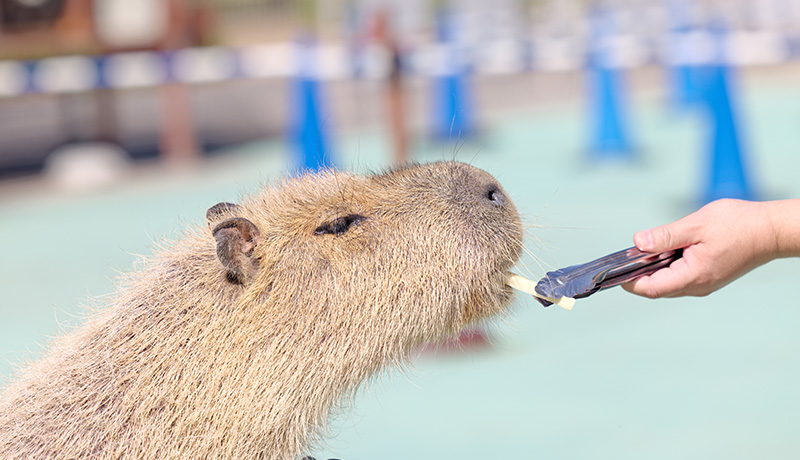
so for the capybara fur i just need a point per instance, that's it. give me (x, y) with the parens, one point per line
(238, 340)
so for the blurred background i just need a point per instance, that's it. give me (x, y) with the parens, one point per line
(121, 122)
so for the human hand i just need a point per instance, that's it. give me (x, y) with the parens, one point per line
(721, 242)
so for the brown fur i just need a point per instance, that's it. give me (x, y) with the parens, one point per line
(195, 361)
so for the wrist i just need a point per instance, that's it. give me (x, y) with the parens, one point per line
(784, 221)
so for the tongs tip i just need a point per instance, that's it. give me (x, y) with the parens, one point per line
(529, 287)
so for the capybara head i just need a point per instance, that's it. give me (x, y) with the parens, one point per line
(417, 253)
(237, 341)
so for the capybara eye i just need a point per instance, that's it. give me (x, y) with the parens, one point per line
(340, 225)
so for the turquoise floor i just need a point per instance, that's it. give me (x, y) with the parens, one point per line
(619, 377)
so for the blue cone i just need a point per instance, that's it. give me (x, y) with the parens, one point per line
(728, 175)
(606, 86)
(308, 135)
(684, 89)
(453, 108)
(610, 139)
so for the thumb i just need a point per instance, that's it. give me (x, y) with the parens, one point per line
(676, 235)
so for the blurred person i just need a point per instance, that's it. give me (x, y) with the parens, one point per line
(178, 141)
(721, 242)
(383, 34)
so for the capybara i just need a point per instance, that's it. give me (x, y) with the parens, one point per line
(237, 340)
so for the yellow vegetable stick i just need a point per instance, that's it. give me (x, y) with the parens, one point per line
(525, 285)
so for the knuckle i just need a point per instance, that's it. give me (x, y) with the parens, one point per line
(722, 205)
(668, 237)
(663, 237)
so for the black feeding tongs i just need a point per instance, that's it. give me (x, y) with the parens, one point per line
(578, 281)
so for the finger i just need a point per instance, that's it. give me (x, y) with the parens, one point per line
(667, 282)
(678, 234)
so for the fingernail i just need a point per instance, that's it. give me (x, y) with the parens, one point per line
(644, 240)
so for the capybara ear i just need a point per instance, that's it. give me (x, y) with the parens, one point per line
(237, 238)
(220, 209)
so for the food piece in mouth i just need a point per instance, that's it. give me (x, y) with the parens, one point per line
(525, 285)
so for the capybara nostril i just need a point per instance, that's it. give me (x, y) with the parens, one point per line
(495, 196)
